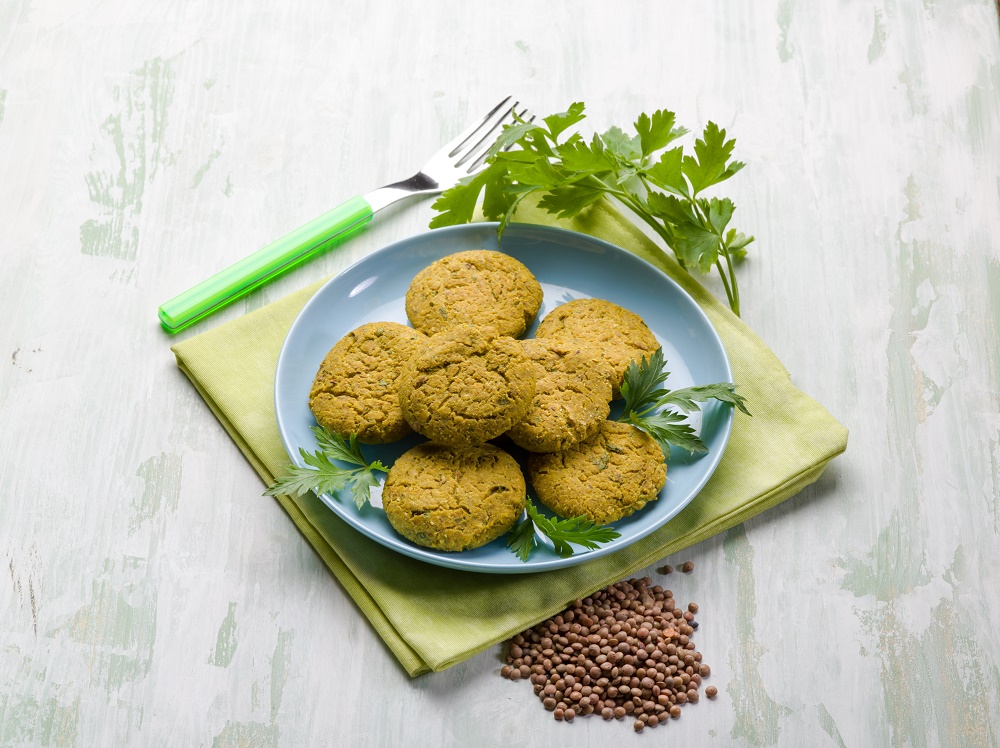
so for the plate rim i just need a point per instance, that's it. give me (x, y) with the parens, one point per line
(437, 558)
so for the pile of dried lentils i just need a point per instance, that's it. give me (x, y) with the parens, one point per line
(623, 651)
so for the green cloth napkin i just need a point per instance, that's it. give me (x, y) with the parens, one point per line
(432, 617)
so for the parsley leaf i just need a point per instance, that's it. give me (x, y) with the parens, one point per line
(625, 146)
(323, 476)
(642, 381)
(656, 131)
(660, 186)
(666, 172)
(458, 204)
(559, 122)
(567, 201)
(687, 399)
(710, 165)
(510, 135)
(337, 447)
(578, 156)
(562, 532)
(668, 429)
(521, 540)
(645, 398)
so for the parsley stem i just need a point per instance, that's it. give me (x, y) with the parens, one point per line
(734, 301)
(633, 205)
(725, 284)
(729, 283)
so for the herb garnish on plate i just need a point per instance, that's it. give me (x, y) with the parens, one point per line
(579, 530)
(645, 397)
(323, 476)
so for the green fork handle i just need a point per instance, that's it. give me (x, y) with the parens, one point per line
(264, 265)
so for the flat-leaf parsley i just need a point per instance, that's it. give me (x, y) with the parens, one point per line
(562, 532)
(662, 186)
(322, 475)
(645, 397)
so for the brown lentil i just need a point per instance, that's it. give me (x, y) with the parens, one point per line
(711, 692)
(688, 567)
(666, 569)
(625, 650)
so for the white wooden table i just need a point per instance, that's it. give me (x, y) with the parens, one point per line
(155, 598)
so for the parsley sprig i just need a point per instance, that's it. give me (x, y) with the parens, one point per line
(645, 397)
(662, 186)
(562, 532)
(322, 474)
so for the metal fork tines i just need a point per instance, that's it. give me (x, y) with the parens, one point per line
(462, 156)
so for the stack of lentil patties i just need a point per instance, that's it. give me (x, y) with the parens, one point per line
(462, 378)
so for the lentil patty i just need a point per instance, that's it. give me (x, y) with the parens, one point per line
(453, 498)
(620, 335)
(466, 385)
(609, 476)
(355, 390)
(572, 396)
(480, 286)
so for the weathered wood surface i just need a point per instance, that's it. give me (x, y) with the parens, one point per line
(154, 597)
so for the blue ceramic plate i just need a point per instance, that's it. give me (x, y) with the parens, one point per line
(569, 266)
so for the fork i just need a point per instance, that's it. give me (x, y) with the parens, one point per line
(463, 156)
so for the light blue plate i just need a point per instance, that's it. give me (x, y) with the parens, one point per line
(569, 266)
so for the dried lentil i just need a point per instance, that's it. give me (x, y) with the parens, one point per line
(623, 651)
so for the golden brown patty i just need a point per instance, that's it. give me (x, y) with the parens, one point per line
(607, 477)
(619, 334)
(466, 385)
(572, 395)
(453, 498)
(355, 390)
(478, 286)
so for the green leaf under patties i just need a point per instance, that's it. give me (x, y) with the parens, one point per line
(522, 539)
(668, 429)
(641, 385)
(321, 475)
(576, 530)
(564, 533)
(687, 399)
(644, 396)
